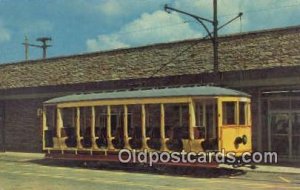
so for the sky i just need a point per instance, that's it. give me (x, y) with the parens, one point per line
(82, 26)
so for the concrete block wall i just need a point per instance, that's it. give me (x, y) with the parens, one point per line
(23, 125)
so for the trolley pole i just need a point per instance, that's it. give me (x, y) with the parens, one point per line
(213, 36)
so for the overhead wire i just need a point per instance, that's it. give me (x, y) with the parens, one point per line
(194, 21)
(194, 44)
(265, 9)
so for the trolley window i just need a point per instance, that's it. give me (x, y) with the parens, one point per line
(242, 113)
(229, 113)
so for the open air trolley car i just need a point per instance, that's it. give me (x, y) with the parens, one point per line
(96, 126)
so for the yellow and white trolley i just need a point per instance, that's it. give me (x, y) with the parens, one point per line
(96, 126)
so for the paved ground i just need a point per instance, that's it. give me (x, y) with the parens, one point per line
(276, 168)
(30, 171)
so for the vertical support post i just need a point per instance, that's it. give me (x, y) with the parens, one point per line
(78, 137)
(125, 130)
(144, 144)
(162, 128)
(93, 126)
(59, 123)
(192, 119)
(44, 127)
(220, 122)
(108, 130)
(249, 123)
(249, 116)
(59, 126)
(162, 121)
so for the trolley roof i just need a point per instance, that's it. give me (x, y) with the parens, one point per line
(150, 93)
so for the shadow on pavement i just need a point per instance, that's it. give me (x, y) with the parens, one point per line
(142, 168)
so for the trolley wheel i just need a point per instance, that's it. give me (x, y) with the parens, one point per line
(253, 166)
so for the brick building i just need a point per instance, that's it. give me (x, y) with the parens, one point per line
(265, 64)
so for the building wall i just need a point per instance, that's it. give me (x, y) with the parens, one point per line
(255, 121)
(2, 115)
(254, 50)
(23, 126)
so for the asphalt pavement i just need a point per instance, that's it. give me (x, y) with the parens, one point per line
(31, 171)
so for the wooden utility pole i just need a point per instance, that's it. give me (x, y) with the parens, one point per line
(26, 45)
(44, 46)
